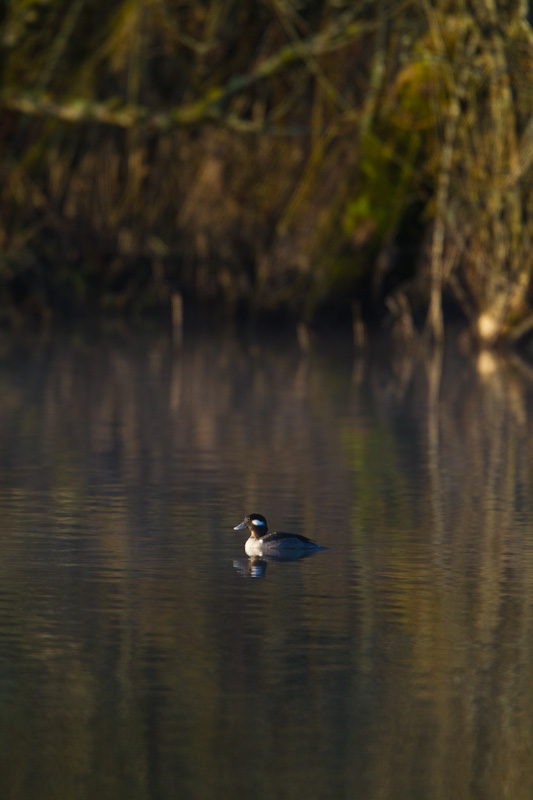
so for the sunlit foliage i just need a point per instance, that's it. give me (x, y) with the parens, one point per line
(281, 155)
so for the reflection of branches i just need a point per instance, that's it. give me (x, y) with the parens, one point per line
(433, 364)
(450, 573)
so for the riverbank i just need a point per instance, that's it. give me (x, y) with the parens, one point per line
(355, 160)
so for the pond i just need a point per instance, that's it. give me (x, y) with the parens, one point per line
(143, 655)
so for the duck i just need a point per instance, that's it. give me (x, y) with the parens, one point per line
(277, 543)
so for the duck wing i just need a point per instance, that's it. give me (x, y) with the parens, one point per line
(277, 536)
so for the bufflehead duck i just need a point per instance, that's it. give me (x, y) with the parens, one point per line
(263, 543)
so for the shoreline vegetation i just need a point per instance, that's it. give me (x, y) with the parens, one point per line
(361, 159)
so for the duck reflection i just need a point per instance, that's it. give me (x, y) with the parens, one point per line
(256, 566)
(251, 567)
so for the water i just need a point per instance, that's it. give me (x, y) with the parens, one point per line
(140, 658)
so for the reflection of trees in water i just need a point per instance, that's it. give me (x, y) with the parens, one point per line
(417, 473)
(452, 572)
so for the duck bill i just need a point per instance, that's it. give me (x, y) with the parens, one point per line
(240, 526)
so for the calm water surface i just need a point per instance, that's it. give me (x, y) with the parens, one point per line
(139, 655)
